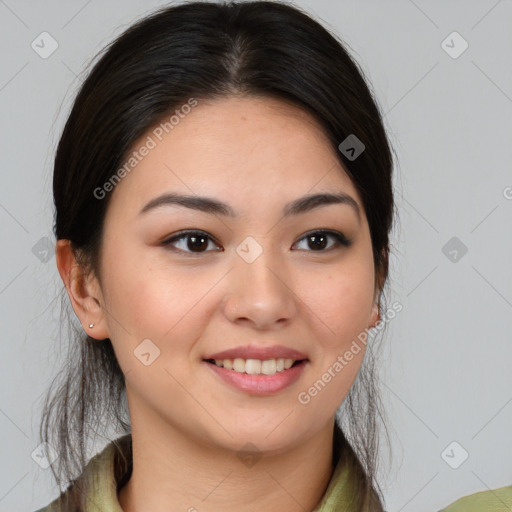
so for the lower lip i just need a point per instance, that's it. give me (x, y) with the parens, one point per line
(259, 384)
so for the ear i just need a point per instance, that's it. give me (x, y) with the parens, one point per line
(83, 290)
(380, 277)
(375, 313)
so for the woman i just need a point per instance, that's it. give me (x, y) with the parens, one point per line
(223, 201)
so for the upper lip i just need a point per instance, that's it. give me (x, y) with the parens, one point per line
(256, 352)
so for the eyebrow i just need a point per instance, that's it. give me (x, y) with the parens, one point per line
(213, 206)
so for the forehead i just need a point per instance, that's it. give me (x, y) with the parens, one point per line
(240, 148)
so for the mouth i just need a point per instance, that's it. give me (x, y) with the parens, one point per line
(256, 366)
(258, 377)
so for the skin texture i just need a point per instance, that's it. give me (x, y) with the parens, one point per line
(256, 154)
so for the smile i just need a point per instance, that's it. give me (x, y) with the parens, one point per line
(255, 366)
(281, 373)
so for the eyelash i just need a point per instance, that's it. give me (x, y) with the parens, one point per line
(340, 238)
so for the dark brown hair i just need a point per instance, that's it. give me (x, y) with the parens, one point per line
(207, 50)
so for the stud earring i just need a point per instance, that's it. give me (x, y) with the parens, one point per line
(91, 325)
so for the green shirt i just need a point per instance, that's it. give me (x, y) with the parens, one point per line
(101, 481)
(497, 500)
(102, 478)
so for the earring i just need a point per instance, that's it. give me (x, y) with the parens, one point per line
(91, 325)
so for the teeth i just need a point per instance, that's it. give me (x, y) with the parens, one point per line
(269, 367)
(256, 366)
(253, 366)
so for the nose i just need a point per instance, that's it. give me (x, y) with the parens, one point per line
(260, 293)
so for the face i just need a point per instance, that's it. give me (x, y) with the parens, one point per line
(253, 273)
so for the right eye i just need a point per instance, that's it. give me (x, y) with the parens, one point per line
(195, 242)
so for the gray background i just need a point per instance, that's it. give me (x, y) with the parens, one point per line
(446, 363)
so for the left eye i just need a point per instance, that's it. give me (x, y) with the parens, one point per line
(318, 240)
(198, 240)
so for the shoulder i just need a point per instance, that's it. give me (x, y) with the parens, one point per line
(48, 508)
(62, 502)
(98, 483)
(496, 500)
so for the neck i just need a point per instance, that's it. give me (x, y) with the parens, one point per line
(172, 472)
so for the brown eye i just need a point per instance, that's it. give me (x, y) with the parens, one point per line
(317, 241)
(194, 242)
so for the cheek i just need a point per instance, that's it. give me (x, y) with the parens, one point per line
(339, 305)
(146, 300)
(342, 299)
